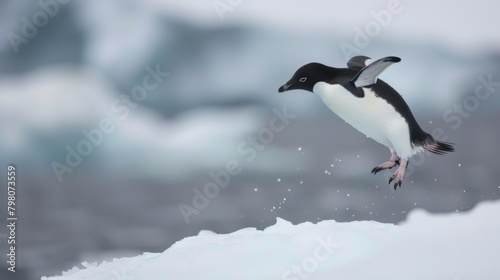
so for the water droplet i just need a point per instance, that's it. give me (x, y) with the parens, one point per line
(279, 180)
(348, 194)
(326, 171)
(459, 164)
(289, 190)
(301, 182)
(358, 156)
(430, 122)
(255, 189)
(332, 165)
(284, 199)
(299, 149)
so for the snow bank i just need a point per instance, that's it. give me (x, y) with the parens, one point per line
(426, 246)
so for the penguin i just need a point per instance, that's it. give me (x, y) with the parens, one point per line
(371, 106)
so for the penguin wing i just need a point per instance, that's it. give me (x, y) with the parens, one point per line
(368, 75)
(358, 62)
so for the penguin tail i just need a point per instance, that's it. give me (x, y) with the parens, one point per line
(437, 147)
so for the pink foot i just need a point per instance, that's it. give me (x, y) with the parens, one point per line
(387, 165)
(399, 175)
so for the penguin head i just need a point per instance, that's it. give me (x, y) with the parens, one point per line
(306, 77)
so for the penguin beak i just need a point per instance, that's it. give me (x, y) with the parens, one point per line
(284, 87)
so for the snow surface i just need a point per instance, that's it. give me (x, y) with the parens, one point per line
(426, 246)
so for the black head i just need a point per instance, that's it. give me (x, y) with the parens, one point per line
(307, 76)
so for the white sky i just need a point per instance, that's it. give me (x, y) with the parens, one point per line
(465, 25)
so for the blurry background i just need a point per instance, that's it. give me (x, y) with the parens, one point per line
(225, 61)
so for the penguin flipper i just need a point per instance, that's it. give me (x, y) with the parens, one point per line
(358, 62)
(368, 75)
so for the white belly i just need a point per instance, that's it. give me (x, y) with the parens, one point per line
(370, 115)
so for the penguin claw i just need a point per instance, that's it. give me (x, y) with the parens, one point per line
(397, 184)
(376, 169)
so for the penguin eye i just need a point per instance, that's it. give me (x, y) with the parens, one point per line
(303, 79)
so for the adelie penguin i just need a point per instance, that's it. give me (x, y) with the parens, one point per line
(371, 106)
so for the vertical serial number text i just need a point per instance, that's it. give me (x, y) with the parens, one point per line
(11, 218)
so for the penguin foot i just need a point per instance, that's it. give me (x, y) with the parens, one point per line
(399, 175)
(388, 164)
(383, 166)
